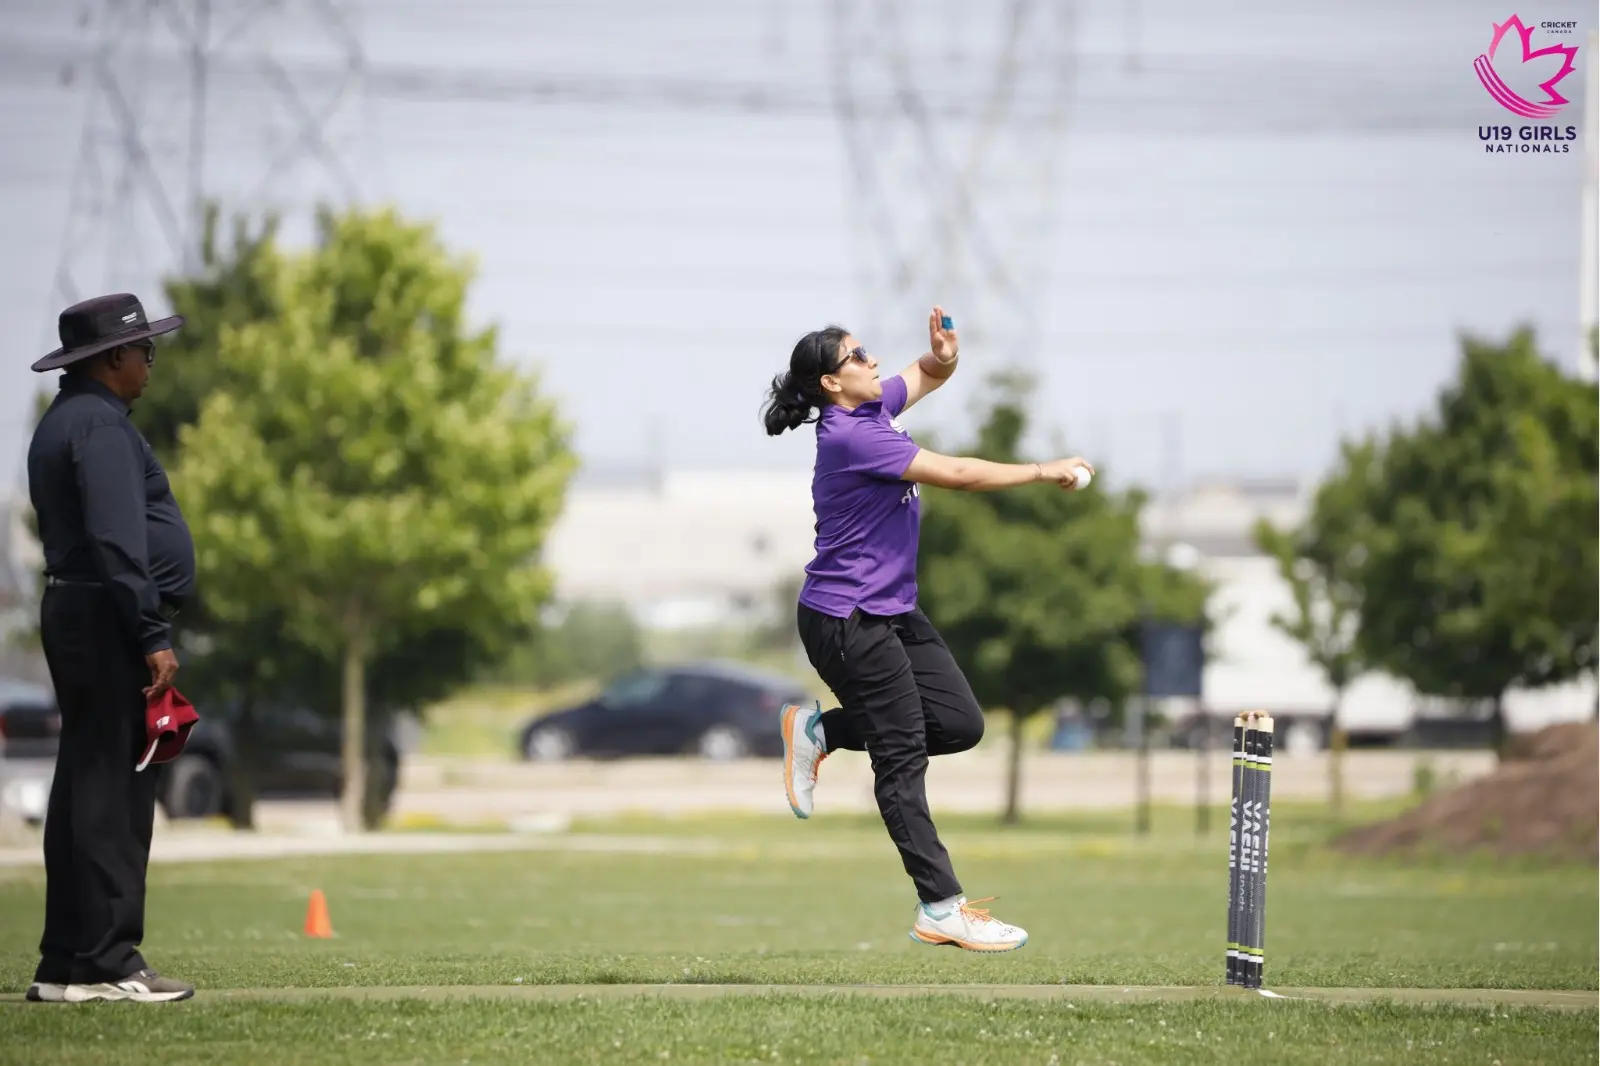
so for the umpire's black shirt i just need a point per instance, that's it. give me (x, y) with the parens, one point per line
(106, 511)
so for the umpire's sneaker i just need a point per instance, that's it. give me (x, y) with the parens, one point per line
(959, 924)
(145, 986)
(804, 748)
(47, 992)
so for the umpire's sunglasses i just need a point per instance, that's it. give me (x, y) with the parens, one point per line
(148, 347)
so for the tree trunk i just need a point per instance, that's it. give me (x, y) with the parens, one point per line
(1497, 726)
(242, 767)
(1013, 813)
(376, 788)
(353, 751)
(1338, 741)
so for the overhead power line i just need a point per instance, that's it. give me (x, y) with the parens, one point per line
(937, 225)
(1197, 96)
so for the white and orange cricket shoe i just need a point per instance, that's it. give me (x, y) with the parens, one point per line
(804, 748)
(958, 923)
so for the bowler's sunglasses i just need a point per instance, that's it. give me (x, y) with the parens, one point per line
(858, 353)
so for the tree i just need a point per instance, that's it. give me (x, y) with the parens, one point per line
(776, 632)
(232, 287)
(1320, 564)
(372, 474)
(246, 658)
(1472, 534)
(594, 640)
(1040, 593)
(240, 660)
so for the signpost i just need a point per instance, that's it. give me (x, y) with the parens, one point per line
(1174, 662)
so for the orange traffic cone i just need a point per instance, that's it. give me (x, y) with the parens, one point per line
(317, 922)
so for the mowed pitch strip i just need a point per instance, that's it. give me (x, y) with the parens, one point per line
(1063, 994)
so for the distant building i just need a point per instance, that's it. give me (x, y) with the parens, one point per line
(688, 549)
(683, 549)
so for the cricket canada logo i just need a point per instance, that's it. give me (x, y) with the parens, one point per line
(1556, 61)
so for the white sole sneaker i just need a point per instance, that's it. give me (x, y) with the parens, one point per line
(133, 989)
(968, 928)
(804, 748)
(46, 992)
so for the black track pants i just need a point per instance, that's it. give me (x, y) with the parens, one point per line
(904, 699)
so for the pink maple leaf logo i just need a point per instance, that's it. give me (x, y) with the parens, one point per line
(1507, 97)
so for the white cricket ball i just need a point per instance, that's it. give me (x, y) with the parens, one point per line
(1084, 477)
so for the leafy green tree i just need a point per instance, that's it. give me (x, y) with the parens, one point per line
(776, 632)
(1321, 570)
(234, 285)
(371, 474)
(598, 640)
(1472, 534)
(1040, 593)
(246, 658)
(243, 659)
(592, 640)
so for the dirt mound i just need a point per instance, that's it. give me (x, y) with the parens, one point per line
(1544, 799)
(1552, 742)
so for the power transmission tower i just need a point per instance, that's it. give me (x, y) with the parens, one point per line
(190, 103)
(953, 127)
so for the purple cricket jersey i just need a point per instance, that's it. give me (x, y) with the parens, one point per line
(867, 518)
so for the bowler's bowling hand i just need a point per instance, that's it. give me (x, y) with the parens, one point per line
(1064, 472)
(163, 668)
(944, 343)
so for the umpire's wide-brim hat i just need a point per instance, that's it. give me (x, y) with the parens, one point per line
(100, 324)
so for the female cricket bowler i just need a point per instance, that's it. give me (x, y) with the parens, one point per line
(902, 696)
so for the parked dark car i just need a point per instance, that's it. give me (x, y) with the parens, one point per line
(30, 731)
(296, 753)
(30, 723)
(716, 710)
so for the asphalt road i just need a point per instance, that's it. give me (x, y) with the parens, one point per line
(537, 802)
(466, 791)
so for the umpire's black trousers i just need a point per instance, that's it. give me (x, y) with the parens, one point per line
(904, 699)
(97, 827)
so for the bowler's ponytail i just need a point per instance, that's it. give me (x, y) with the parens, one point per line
(796, 395)
(787, 406)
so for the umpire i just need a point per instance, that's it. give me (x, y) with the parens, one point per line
(118, 562)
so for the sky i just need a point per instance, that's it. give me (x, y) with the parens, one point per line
(1220, 233)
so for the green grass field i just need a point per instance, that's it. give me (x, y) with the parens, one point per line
(777, 902)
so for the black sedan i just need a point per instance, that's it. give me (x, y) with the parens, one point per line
(30, 732)
(716, 710)
(294, 752)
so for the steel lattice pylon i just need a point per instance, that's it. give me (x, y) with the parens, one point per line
(188, 102)
(954, 126)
